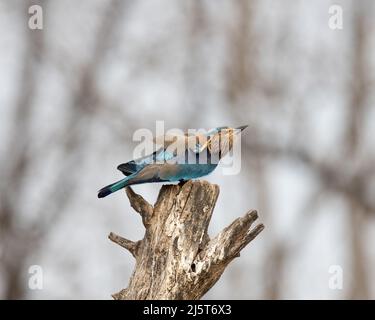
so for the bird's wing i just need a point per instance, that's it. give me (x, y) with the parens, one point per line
(157, 173)
(171, 147)
(162, 173)
(133, 166)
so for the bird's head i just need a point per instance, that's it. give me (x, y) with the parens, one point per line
(223, 140)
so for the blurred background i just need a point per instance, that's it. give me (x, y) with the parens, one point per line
(72, 94)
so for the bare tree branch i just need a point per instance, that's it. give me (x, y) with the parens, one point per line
(129, 245)
(229, 242)
(176, 259)
(140, 205)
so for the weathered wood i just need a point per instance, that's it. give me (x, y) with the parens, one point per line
(176, 258)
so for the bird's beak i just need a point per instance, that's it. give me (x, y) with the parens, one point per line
(242, 128)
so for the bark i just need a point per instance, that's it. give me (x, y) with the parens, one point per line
(176, 259)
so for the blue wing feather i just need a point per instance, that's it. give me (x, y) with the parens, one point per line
(133, 166)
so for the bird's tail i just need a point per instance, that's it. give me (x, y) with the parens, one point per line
(107, 190)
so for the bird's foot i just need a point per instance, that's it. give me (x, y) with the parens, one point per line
(182, 182)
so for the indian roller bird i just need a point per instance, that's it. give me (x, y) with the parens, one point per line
(178, 159)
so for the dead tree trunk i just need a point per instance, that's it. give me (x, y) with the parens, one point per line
(176, 259)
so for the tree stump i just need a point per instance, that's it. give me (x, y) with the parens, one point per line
(176, 259)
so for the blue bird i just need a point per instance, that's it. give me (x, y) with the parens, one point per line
(179, 159)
